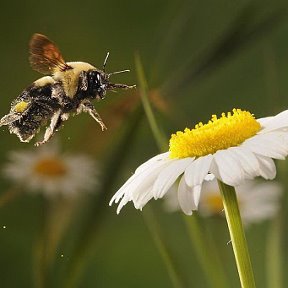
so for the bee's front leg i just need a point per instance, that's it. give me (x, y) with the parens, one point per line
(88, 107)
(55, 123)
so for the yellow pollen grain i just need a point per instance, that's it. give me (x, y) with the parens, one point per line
(229, 130)
(21, 107)
(50, 167)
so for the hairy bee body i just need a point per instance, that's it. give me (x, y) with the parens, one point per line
(39, 107)
(69, 90)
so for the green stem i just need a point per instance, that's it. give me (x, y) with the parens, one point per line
(99, 209)
(276, 238)
(155, 231)
(143, 89)
(148, 214)
(41, 267)
(274, 255)
(210, 262)
(237, 235)
(206, 255)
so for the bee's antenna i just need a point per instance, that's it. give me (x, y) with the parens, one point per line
(105, 61)
(118, 72)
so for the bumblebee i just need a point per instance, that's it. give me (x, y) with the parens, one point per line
(69, 90)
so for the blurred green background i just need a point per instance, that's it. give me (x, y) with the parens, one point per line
(200, 58)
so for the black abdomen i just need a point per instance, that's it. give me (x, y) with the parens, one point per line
(40, 108)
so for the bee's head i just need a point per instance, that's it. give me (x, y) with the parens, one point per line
(105, 80)
(99, 82)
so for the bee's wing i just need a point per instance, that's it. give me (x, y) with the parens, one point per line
(45, 57)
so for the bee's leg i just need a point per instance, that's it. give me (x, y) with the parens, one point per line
(55, 123)
(90, 109)
(9, 118)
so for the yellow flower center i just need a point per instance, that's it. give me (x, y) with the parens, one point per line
(50, 167)
(214, 202)
(218, 134)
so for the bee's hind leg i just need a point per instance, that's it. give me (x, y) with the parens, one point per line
(9, 118)
(88, 107)
(55, 123)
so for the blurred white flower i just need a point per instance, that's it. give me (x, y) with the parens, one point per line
(234, 147)
(46, 170)
(258, 201)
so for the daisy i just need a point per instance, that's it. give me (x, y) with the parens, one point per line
(45, 170)
(234, 147)
(257, 201)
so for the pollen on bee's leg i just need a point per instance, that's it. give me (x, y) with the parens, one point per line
(21, 106)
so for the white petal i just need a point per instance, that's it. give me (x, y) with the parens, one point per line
(186, 197)
(171, 198)
(273, 144)
(267, 167)
(169, 175)
(141, 193)
(146, 177)
(247, 160)
(264, 121)
(226, 168)
(151, 161)
(277, 122)
(259, 201)
(121, 192)
(209, 177)
(197, 193)
(151, 170)
(198, 170)
(123, 202)
(210, 190)
(143, 198)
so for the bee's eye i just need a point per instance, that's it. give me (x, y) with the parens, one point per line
(96, 84)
